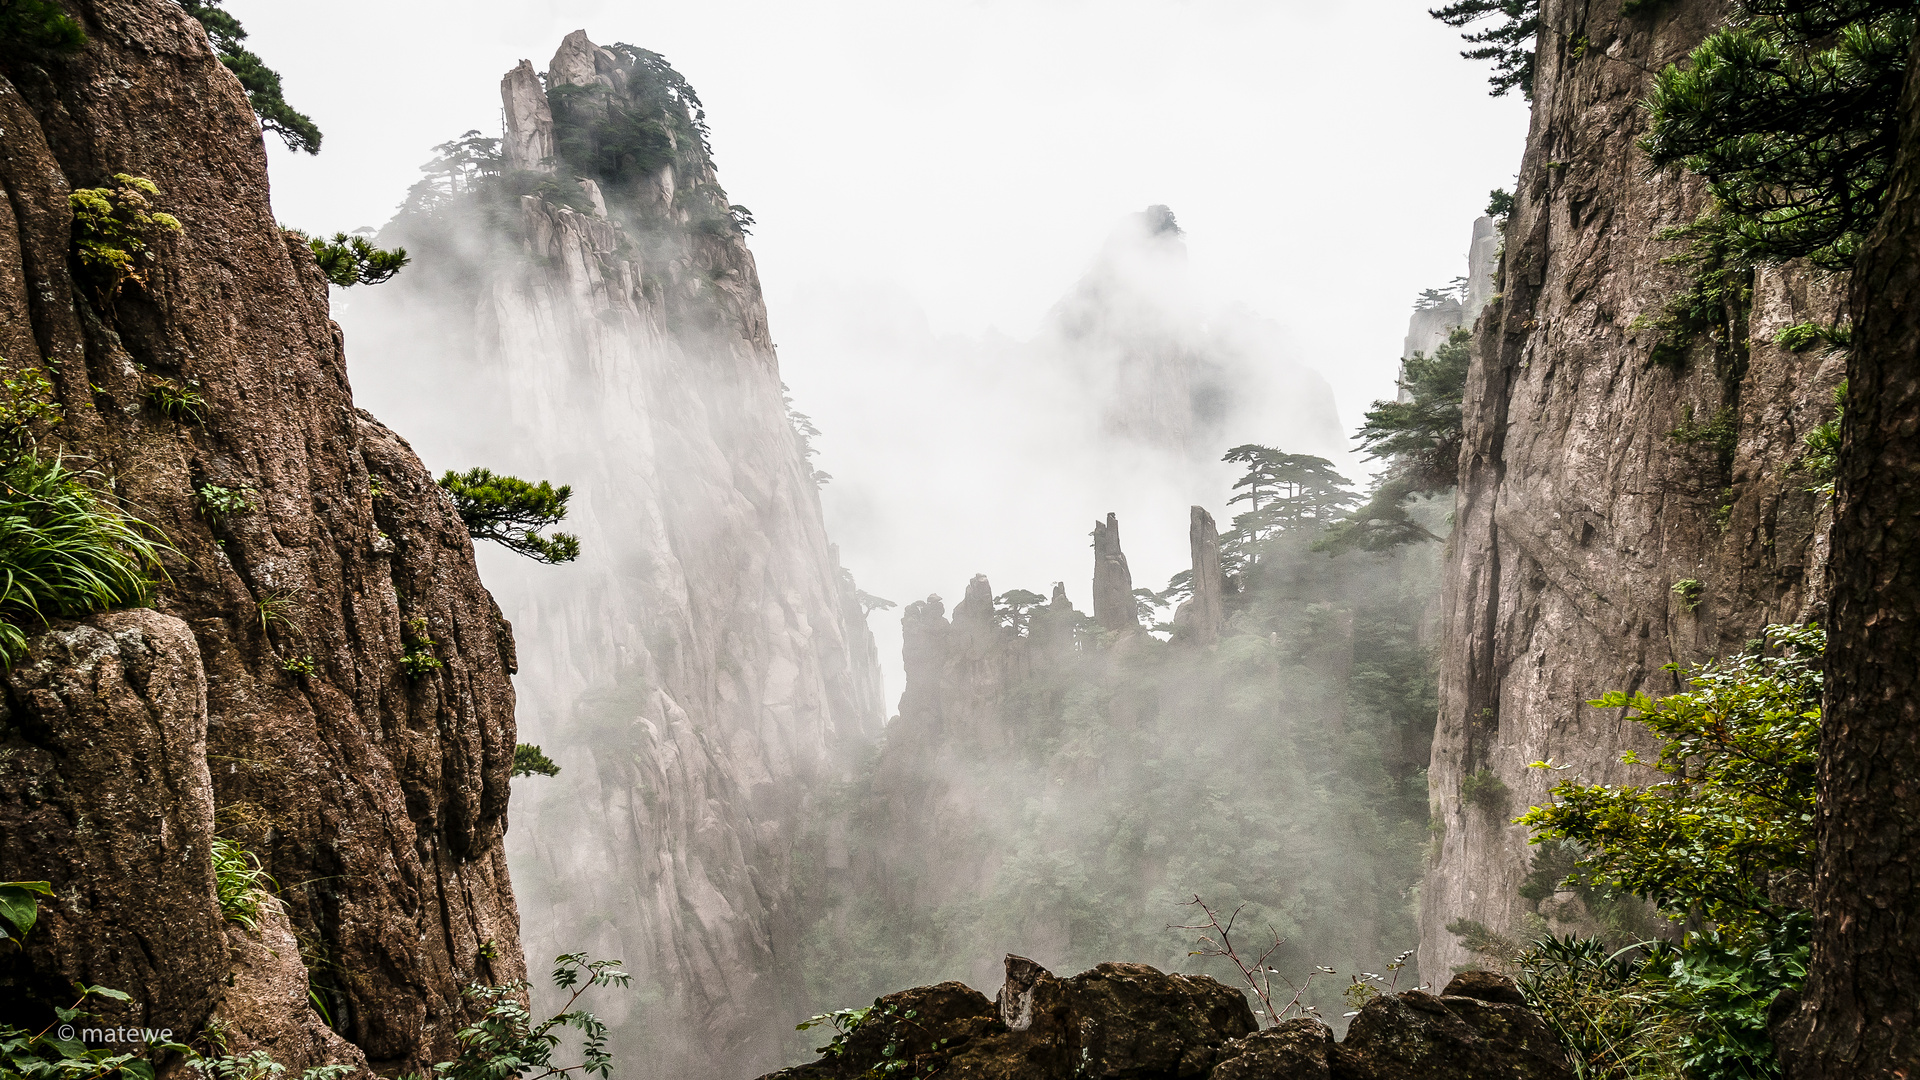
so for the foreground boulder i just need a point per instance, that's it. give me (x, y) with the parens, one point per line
(1131, 1021)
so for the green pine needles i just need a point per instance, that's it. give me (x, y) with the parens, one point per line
(349, 260)
(1791, 113)
(1283, 493)
(597, 133)
(261, 82)
(511, 512)
(1509, 42)
(37, 29)
(528, 760)
(1419, 436)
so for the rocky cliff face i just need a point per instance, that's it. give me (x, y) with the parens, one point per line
(704, 670)
(263, 700)
(1615, 514)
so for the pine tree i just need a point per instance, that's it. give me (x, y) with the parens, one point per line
(261, 82)
(1420, 439)
(511, 512)
(1509, 43)
(32, 29)
(1791, 113)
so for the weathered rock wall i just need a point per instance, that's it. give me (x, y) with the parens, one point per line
(377, 801)
(1590, 484)
(704, 669)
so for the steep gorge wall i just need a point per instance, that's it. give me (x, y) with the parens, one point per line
(703, 672)
(377, 801)
(1579, 509)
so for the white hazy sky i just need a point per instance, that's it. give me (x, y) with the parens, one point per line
(958, 164)
(1325, 158)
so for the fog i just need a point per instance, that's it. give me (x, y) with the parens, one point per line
(948, 170)
(1026, 265)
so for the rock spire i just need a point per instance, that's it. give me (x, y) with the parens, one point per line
(1113, 606)
(1198, 621)
(528, 145)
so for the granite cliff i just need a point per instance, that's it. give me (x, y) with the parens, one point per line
(584, 308)
(262, 698)
(1619, 509)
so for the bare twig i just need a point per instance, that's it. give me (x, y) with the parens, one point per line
(1216, 939)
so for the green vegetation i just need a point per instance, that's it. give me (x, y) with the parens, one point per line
(261, 82)
(1689, 590)
(529, 761)
(256, 1065)
(1599, 1003)
(1722, 843)
(623, 141)
(510, 512)
(63, 551)
(1283, 492)
(1730, 830)
(418, 659)
(1486, 791)
(36, 29)
(240, 882)
(273, 606)
(217, 503)
(179, 402)
(114, 230)
(1822, 458)
(1715, 302)
(1420, 440)
(1800, 337)
(1721, 434)
(1110, 793)
(350, 260)
(896, 1056)
(28, 412)
(508, 1042)
(1509, 42)
(1499, 206)
(19, 905)
(43, 1055)
(1790, 112)
(804, 432)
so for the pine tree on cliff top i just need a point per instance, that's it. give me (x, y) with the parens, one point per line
(1509, 43)
(261, 82)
